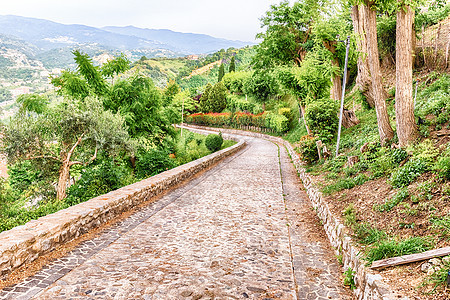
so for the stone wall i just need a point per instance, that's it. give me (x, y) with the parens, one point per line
(24, 244)
(369, 284)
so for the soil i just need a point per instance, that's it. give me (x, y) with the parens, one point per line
(407, 219)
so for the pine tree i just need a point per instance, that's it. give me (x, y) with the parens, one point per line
(232, 65)
(221, 72)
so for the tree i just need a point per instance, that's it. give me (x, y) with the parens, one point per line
(214, 98)
(404, 103)
(32, 103)
(67, 135)
(204, 106)
(232, 67)
(364, 22)
(140, 103)
(221, 72)
(287, 32)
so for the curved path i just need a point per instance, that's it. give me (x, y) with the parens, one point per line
(237, 231)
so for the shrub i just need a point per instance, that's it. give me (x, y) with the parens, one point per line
(442, 167)
(321, 117)
(307, 149)
(152, 162)
(278, 123)
(99, 178)
(214, 142)
(405, 175)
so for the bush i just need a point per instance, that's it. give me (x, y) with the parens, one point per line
(321, 117)
(214, 142)
(101, 177)
(307, 149)
(278, 123)
(405, 175)
(152, 162)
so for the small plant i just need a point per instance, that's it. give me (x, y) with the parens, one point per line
(441, 226)
(390, 203)
(366, 234)
(349, 278)
(349, 214)
(410, 171)
(440, 277)
(307, 149)
(392, 248)
(214, 142)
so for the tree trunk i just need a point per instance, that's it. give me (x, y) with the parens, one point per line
(363, 81)
(384, 127)
(404, 103)
(336, 90)
(304, 119)
(64, 174)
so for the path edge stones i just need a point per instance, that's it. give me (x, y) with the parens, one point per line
(24, 244)
(369, 284)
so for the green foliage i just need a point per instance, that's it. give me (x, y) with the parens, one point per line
(441, 225)
(115, 66)
(245, 104)
(321, 117)
(307, 149)
(386, 34)
(390, 203)
(232, 67)
(405, 175)
(278, 123)
(214, 98)
(221, 72)
(214, 142)
(345, 183)
(236, 82)
(431, 17)
(434, 100)
(261, 85)
(349, 278)
(32, 103)
(99, 178)
(367, 235)
(140, 103)
(392, 248)
(442, 167)
(152, 162)
(287, 29)
(22, 175)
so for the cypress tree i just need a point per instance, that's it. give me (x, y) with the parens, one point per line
(232, 65)
(221, 72)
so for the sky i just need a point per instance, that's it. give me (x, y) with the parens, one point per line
(230, 19)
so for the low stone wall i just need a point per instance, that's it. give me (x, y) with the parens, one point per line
(24, 244)
(369, 285)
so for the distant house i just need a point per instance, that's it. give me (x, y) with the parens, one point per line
(20, 91)
(192, 57)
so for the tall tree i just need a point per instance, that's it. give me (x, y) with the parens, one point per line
(404, 103)
(221, 72)
(384, 127)
(67, 135)
(232, 67)
(287, 33)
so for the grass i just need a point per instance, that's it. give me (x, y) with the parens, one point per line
(390, 203)
(392, 248)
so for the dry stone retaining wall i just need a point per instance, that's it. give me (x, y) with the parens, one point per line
(369, 285)
(24, 244)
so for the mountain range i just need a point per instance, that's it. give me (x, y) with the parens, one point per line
(47, 35)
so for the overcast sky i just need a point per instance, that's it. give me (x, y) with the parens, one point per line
(230, 19)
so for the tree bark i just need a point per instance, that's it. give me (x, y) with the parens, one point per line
(64, 174)
(336, 89)
(384, 127)
(404, 103)
(302, 108)
(363, 80)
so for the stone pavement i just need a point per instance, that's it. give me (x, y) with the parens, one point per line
(231, 233)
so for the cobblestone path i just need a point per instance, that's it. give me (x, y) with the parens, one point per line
(232, 233)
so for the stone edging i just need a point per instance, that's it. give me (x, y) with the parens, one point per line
(369, 285)
(24, 244)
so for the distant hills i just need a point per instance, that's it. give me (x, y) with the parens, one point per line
(47, 35)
